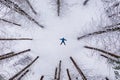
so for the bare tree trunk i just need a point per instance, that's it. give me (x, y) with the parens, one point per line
(78, 69)
(99, 32)
(68, 73)
(12, 55)
(55, 76)
(59, 72)
(58, 7)
(17, 9)
(105, 52)
(85, 2)
(106, 78)
(10, 22)
(41, 77)
(105, 56)
(8, 39)
(111, 59)
(28, 2)
(16, 75)
(23, 75)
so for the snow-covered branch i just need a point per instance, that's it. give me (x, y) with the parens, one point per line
(17, 9)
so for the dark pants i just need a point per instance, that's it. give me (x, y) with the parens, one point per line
(62, 43)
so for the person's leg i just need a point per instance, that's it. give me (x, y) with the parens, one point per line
(64, 43)
(61, 43)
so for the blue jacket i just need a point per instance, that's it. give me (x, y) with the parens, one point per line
(63, 39)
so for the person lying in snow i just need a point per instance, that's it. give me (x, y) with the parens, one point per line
(63, 41)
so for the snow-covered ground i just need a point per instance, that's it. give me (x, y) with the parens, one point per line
(75, 20)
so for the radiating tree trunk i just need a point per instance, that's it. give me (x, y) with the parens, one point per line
(99, 32)
(10, 22)
(55, 76)
(12, 55)
(105, 52)
(16, 75)
(111, 59)
(33, 10)
(78, 69)
(68, 73)
(106, 78)
(16, 8)
(8, 39)
(58, 7)
(41, 77)
(85, 2)
(59, 72)
(20, 78)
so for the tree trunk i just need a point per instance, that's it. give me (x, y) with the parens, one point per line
(78, 69)
(16, 75)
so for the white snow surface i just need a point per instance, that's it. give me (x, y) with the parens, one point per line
(75, 20)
